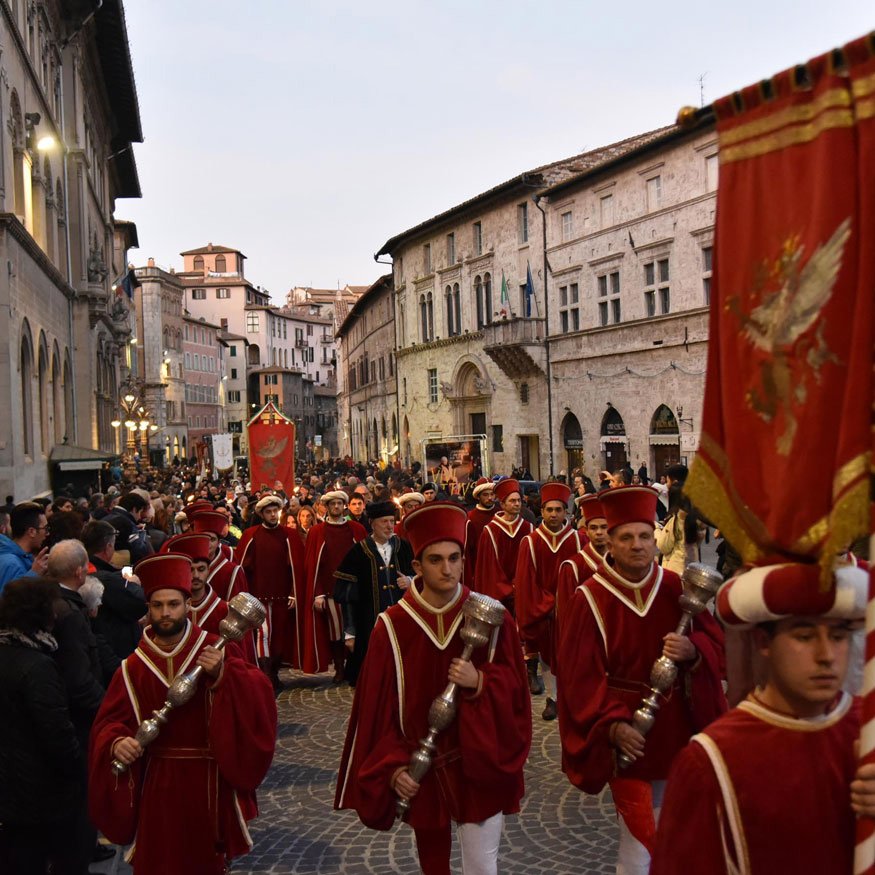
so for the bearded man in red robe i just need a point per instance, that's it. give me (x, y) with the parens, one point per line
(205, 765)
(477, 774)
(614, 630)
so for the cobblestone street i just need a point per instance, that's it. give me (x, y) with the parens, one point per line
(559, 830)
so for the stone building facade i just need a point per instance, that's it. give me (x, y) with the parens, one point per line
(470, 341)
(629, 261)
(368, 396)
(65, 73)
(204, 352)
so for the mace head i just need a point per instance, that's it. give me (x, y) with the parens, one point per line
(483, 608)
(245, 612)
(701, 583)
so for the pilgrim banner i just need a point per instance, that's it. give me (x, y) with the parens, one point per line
(783, 462)
(271, 450)
(223, 452)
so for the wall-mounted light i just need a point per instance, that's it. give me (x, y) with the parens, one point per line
(680, 412)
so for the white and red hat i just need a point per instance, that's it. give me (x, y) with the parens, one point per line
(591, 508)
(555, 492)
(433, 522)
(480, 485)
(166, 571)
(209, 521)
(195, 546)
(507, 487)
(418, 497)
(775, 592)
(629, 504)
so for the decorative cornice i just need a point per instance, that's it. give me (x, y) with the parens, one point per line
(437, 344)
(11, 223)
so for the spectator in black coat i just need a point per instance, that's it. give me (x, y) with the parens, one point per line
(125, 519)
(41, 762)
(118, 618)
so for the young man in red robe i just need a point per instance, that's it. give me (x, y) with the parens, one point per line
(580, 567)
(226, 577)
(327, 544)
(208, 609)
(273, 558)
(617, 624)
(187, 796)
(414, 650)
(499, 546)
(774, 786)
(537, 573)
(478, 517)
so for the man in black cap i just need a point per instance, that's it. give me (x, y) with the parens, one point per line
(372, 576)
(429, 492)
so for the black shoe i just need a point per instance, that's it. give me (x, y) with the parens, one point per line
(536, 683)
(549, 712)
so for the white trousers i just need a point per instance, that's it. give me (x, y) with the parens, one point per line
(479, 843)
(634, 858)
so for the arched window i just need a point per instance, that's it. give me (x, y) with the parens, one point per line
(57, 397)
(43, 379)
(423, 319)
(17, 124)
(26, 373)
(198, 263)
(429, 302)
(487, 299)
(450, 313)
(68, 399)
(478, 297)
(457, 308)
(221, 265)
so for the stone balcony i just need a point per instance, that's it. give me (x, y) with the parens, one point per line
(517, 346)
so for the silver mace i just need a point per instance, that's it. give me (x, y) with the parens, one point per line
(701, 583)
(482, 615)
(245, 613)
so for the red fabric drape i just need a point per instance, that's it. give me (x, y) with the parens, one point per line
(783, 463)
(271, 450)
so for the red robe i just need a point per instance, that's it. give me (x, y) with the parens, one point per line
(762, 788)
(185, 802)
(537, 574)
(327, 544)
(478, 517)
(210, 612)
(478, 769)
(226, 551)
(497, 554)
(610, 640)
(273, 561)
(573, 572)
(226, 577)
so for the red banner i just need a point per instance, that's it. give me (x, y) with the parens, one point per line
(784, 460)
(271, 450)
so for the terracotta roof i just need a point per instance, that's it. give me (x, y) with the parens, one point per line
(538, 178)
(211, 248)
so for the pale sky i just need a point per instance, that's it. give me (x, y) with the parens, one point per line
(308, 133)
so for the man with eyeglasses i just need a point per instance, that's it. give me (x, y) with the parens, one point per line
(21, 554)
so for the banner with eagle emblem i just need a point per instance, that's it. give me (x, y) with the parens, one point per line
(271, 450)
(784, 459)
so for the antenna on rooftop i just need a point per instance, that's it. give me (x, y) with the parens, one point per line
(702, 89)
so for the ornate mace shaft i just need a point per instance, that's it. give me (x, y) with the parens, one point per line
(245, 613)
(701, 583)
(482, 615)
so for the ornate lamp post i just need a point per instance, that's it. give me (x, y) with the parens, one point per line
(136, 419)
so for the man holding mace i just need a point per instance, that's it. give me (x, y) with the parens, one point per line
(477, 774)
(196, 772)
(614, 630)
(327, 544)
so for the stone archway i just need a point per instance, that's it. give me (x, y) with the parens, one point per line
(665, 440)
(572, 440)
(471, 389)
(615, 446)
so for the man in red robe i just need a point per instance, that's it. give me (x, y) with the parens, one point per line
(615, 629)
(186, 798)
(477, 774)
(327, 544)
(774, 785)
(273, 558)
(499, 545)
(226, 577)
(208, 609)
(478, 517)
(576, 570)
(537, 573)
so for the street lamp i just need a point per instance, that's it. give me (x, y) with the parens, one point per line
(134, 416)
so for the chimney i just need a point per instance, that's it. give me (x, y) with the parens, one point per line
(150, 262)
